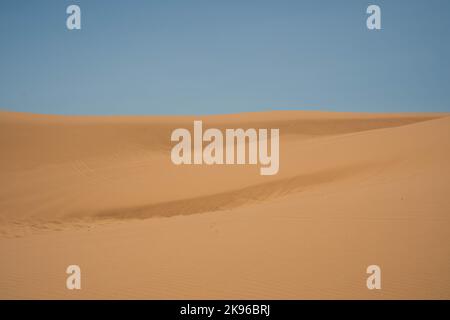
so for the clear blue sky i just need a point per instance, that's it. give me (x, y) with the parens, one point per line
(224, 56)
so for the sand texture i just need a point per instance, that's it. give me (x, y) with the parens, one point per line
(101, 192)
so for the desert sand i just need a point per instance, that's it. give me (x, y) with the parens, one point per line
(353, 189)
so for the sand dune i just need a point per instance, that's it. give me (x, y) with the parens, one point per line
(101, 192)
